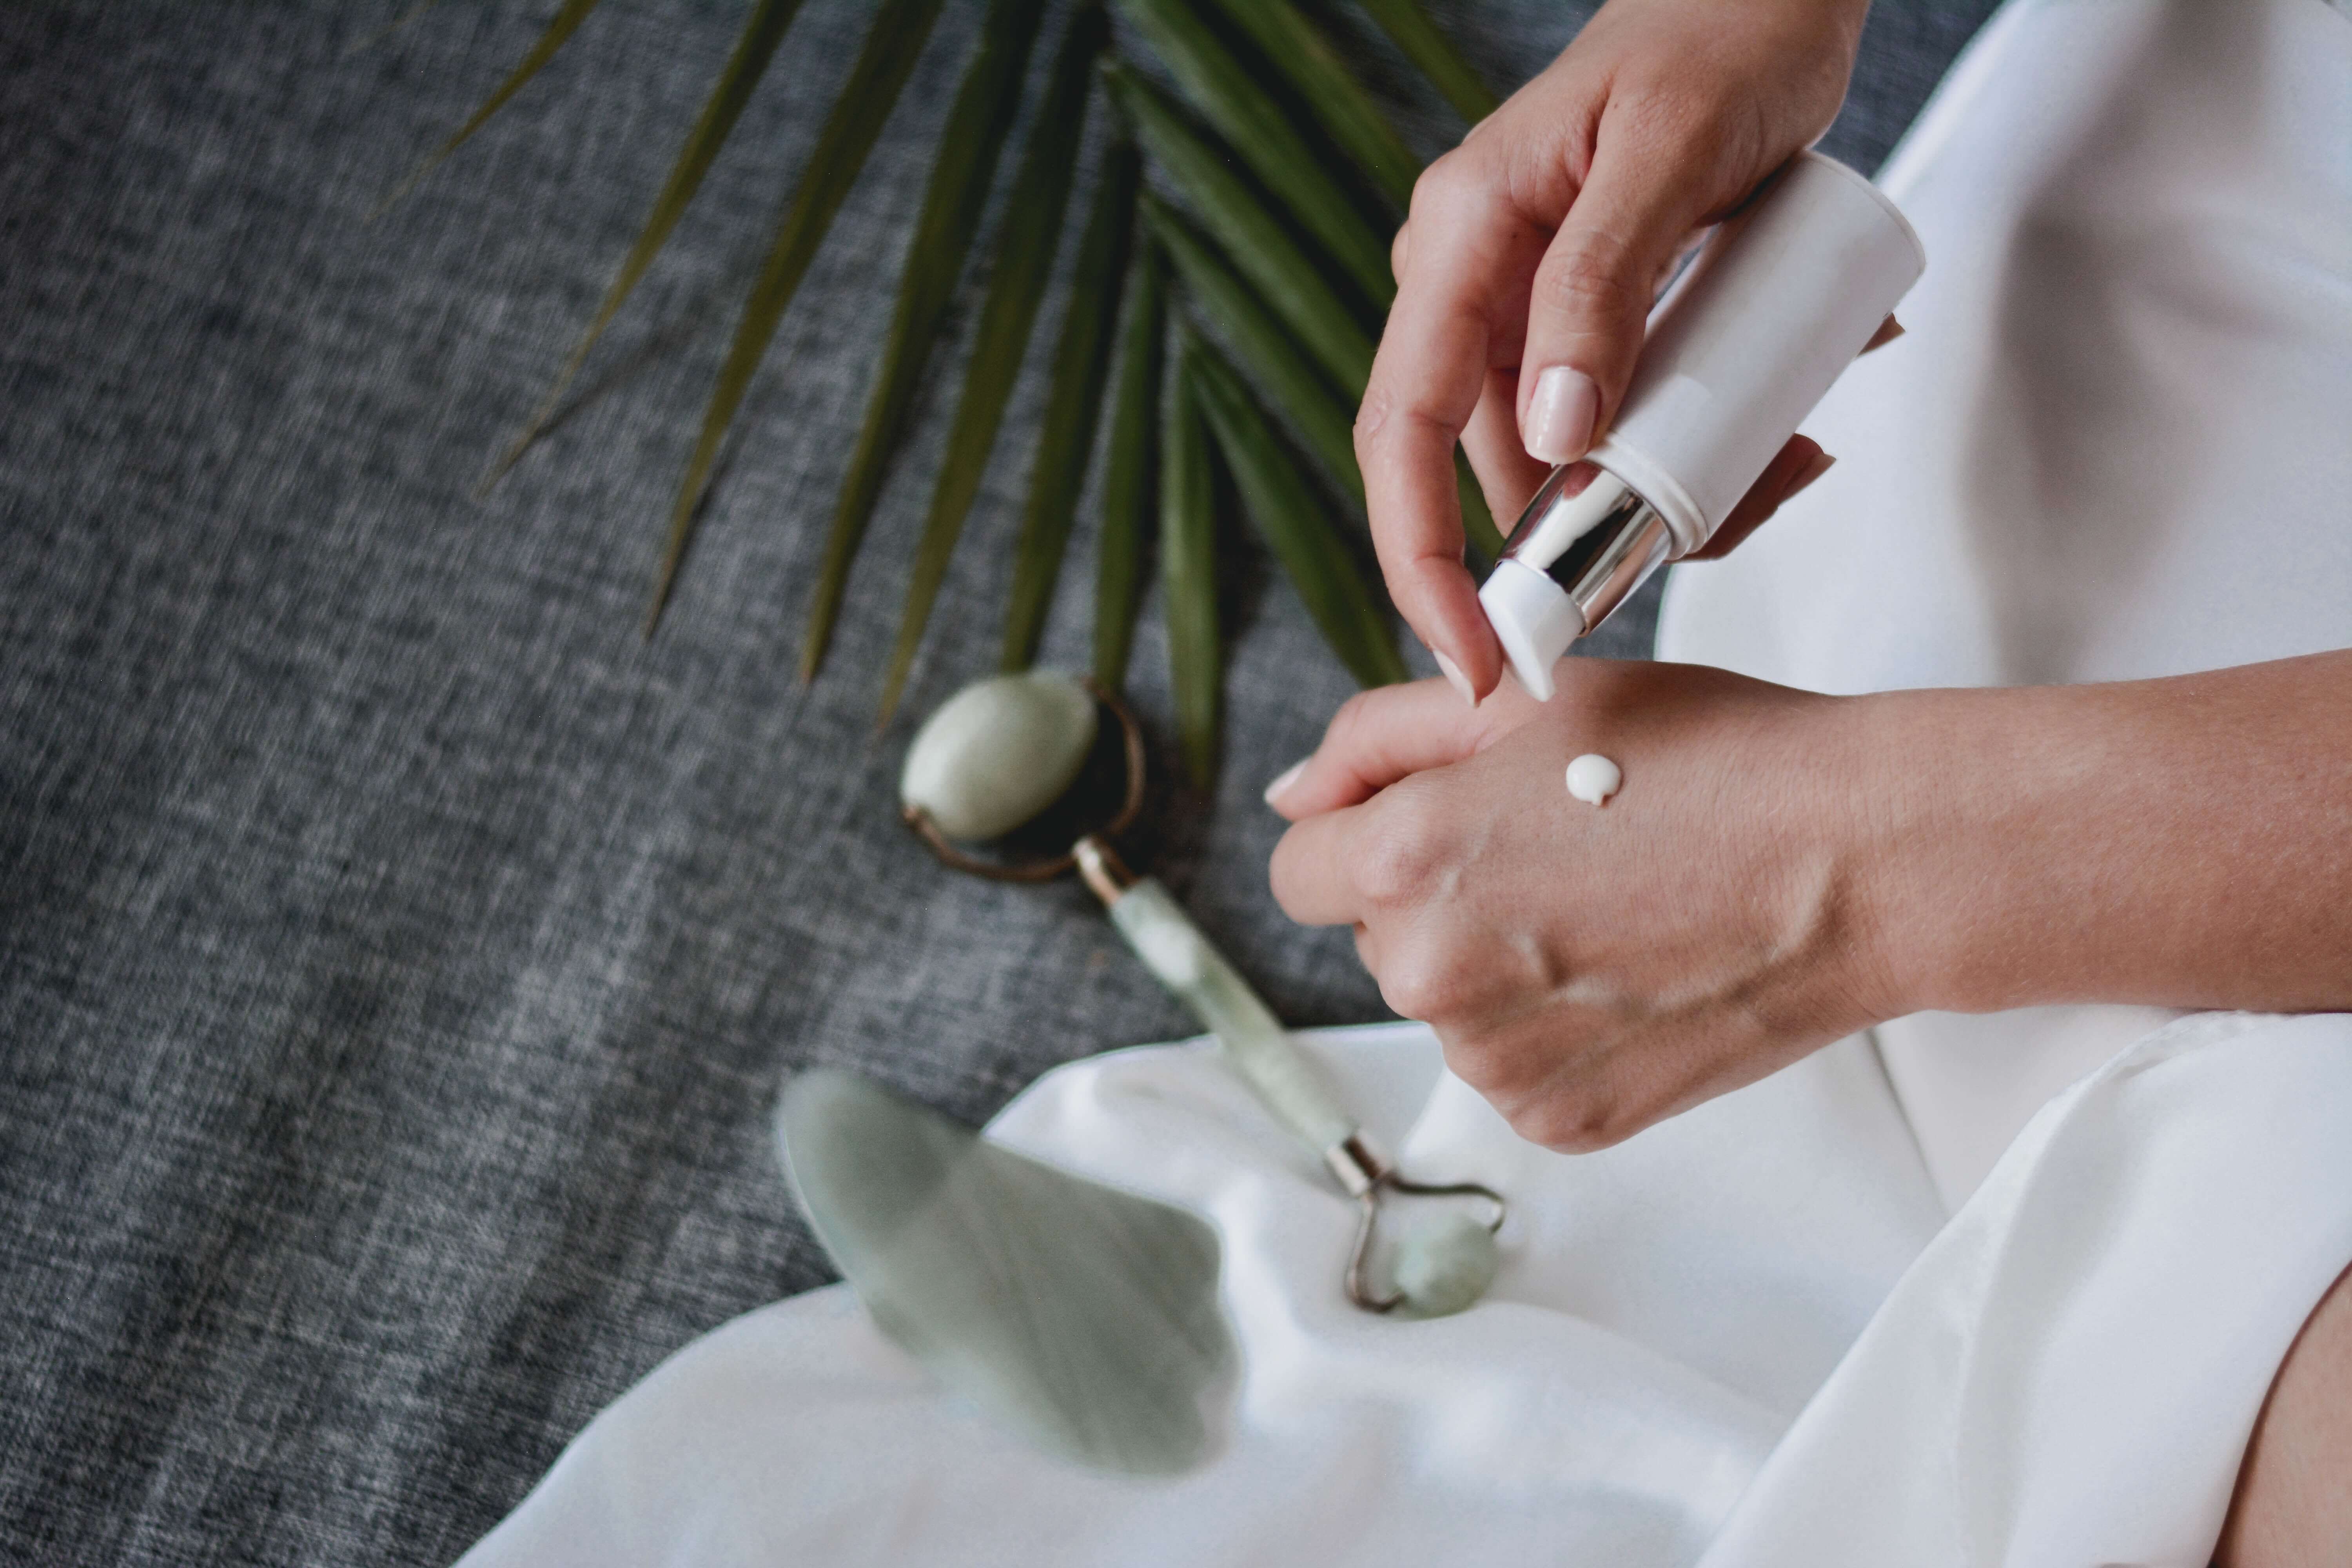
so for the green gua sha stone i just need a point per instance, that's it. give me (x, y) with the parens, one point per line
(1083, 1317)
(998, 752)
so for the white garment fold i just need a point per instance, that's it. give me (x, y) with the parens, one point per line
(2113, 443)
(1610, 1410)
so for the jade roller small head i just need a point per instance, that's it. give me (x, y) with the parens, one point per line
(999, 753)
(1443, 1263)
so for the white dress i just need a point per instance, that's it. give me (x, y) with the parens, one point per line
(1801, 1323)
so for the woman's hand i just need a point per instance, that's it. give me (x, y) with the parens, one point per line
(1781, 869)
(1528, 267)
(1594, 969)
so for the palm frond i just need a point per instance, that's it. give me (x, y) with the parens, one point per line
(1274, 359)
(754, 47)
(1065, 439)
(1032, 229)
(1130, 465)
(1188, 573)
(892, 45)
(1341, 106)
(1276, 160)
(1434, 55)
(977, 124)
(1255, 126)
(1478, 523)
(1292, 522)
(1290, 280)
(558, 31)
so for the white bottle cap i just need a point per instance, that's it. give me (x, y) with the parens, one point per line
(1534, 619)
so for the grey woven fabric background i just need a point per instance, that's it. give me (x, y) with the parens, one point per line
(399, 959)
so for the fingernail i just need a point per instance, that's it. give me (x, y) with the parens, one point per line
(1283, 781)
(1560, 416)
(1454, 677)
(1820, 463)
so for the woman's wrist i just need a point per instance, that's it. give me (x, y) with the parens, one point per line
(1956, 831)
(2184, 842)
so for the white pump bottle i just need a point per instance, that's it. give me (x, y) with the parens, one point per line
(1779, 301)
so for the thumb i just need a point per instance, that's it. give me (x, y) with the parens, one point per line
(1591, 298)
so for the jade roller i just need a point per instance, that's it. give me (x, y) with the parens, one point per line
(996, 756)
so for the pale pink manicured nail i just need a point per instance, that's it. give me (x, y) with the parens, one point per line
(1454, 677)
(1560, 416)
(1283, 781)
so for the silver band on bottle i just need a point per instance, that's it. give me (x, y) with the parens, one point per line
(1594, 535)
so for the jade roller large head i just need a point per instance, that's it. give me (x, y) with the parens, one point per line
(1000, 752)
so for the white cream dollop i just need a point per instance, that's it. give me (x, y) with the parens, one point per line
(1593, 778)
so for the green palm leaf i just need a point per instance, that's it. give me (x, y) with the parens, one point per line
(1254, 125)
(978, 123)
(1128, 469)
(1326, 424)
(1024, 258)
(892, 45)
(754, 47)
(1273, 355)
(1290, 281)
(1434, 55)
(1341, 106)
(1290, 518)
(1066, 439)
(558, 31)
(1188, 573)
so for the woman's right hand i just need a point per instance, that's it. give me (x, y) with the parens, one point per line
(1533, 251)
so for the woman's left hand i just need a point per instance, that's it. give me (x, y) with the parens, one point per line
(1591, 971)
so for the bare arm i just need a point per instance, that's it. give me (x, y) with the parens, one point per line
(1781, 869)
(2185, 842)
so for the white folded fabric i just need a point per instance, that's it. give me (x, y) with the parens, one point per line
(2113, 444)
(1608, 1402)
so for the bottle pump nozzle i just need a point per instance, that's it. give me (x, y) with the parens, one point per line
(1781, 299)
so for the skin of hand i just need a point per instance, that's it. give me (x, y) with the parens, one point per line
(1781, 869)
(1590, 972)
(1527, 267)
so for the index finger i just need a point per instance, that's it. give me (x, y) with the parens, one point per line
(1385, 734)
(1426, 384)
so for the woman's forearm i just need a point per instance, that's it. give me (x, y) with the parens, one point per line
(2184, 842)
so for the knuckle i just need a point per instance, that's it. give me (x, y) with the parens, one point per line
(1351, 727)
(1405, 852)
(1372, 418)
(1454, 178)
(1421, 982)
(1588, 277)
(1573, 1124)
(1476, 1062)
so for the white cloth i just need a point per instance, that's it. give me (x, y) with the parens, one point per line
(2116, 441)
(2113, 443)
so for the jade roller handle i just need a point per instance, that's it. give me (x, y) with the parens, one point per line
(1184, 960)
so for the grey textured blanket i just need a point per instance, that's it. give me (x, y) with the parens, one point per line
(398, 959)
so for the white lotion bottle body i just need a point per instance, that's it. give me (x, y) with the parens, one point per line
(1779, 302)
